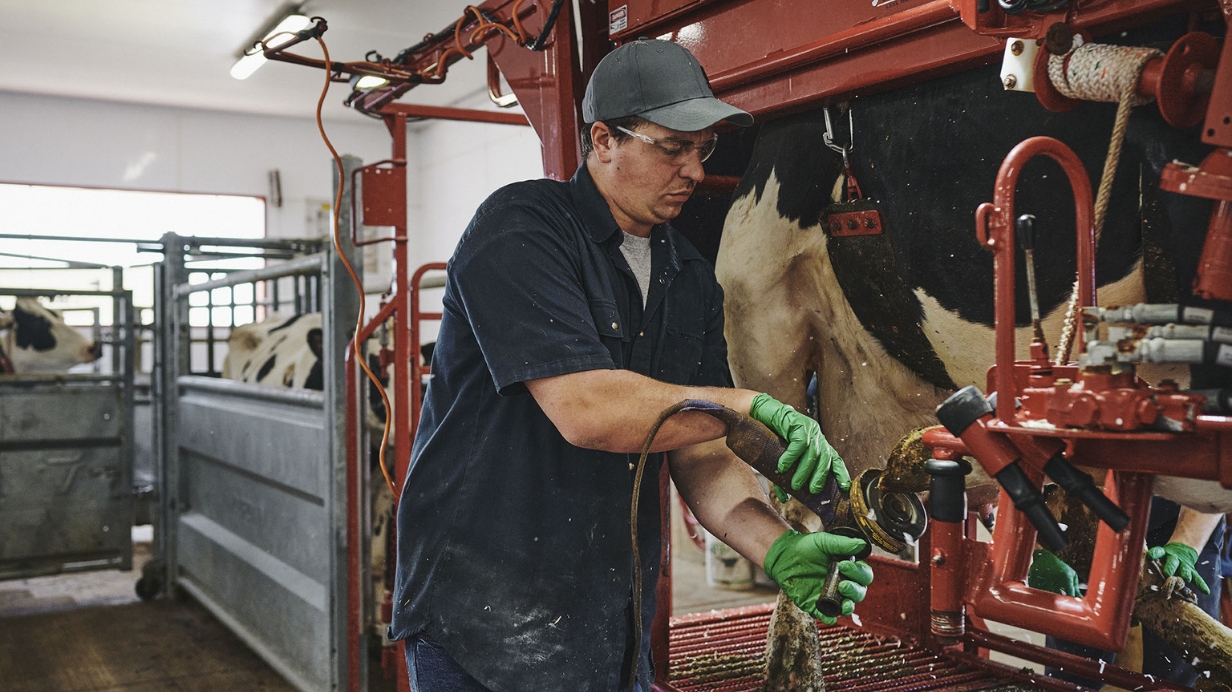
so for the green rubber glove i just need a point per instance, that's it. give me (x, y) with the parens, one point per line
(805, 444)
(799, 562)
(1179, 560)
(1049, 573)
(781, 494)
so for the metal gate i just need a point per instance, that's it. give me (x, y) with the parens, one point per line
(253, 517)
(66, 450)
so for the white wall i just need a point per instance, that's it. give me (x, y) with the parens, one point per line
(452, 167)
(456, 166)
(64, 141)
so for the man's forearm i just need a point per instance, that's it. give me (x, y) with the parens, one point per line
(1193, 528)
(726, 497)
(613, 410)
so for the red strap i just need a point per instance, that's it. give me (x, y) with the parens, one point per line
(853, 187)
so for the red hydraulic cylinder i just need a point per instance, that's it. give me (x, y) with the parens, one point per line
(947, 513)
(1214, 278)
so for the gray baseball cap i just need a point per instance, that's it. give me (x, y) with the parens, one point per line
(660, 81)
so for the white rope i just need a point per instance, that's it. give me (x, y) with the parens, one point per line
(1094, 72)
(1097, 72)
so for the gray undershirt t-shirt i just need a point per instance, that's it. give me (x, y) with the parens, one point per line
(637, 253)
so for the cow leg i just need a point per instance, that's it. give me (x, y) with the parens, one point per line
(793, 647)
(1202, 639)
(793, 651)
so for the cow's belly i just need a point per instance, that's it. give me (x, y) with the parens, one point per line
(1204, 496)
(786, 314)
(967, 348)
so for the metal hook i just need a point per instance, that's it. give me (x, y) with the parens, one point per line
(828, 137)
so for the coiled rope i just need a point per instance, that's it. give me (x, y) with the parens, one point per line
(1094, 72)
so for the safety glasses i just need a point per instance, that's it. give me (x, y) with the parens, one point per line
(677, 149)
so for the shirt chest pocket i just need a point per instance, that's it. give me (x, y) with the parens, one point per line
(681, 355)
(612, 333)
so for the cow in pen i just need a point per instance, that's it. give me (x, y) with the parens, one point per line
(892, 323)
(36, 340)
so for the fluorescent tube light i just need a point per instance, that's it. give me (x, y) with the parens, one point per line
(370, 82)
(249, 63)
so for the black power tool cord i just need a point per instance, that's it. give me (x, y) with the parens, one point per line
(686, 405)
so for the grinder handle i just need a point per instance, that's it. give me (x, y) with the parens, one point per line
(830, 601)
(759, 447)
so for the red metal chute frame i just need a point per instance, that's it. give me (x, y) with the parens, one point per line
(769, 57)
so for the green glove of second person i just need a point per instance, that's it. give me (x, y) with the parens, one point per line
(799, 563)
(805, 444)
(1050, 573)
(1179, 560)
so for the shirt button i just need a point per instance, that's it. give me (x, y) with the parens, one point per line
(641, 333)
(615, 326)
(660, 280)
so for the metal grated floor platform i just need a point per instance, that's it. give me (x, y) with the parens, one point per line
(723, 650)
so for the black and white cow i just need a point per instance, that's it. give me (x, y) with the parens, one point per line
(36, 340)
(893, 323)
(281, 351)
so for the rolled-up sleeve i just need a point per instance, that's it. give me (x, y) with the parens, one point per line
(517, 278)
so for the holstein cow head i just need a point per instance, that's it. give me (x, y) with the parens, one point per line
(38, 341)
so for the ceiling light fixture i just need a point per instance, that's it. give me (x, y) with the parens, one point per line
(370, 82)
(288, 20)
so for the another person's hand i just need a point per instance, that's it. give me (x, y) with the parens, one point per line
(799, 563)
(805, 444)
(1050, 573)
(1179, 560)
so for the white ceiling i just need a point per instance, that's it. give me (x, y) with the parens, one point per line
(179, 52)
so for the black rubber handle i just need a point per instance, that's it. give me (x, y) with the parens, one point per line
(1081, 485)
(830, 601)
(1029, 501)
(1024, 231)
(947, 489)
(760, 448)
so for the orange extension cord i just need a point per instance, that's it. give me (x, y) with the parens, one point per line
(359, 322)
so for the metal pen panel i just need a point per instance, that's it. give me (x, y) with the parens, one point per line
(65, 475)
(254, 512)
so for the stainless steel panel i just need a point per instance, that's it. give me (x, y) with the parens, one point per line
(261, 597)
(284, 443)
(287, 524)
(65, 500)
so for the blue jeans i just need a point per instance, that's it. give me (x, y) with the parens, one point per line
(432, 669)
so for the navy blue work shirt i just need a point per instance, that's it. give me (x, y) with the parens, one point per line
(514, 550)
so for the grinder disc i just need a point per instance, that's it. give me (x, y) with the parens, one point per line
(888, 520)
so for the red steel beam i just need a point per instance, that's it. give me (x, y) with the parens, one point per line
(856, 38)
(414, 110)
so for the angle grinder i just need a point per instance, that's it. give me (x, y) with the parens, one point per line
(890, 521)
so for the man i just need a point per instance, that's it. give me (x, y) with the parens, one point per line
(573, 316)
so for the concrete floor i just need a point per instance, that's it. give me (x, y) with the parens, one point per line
(89, 632)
